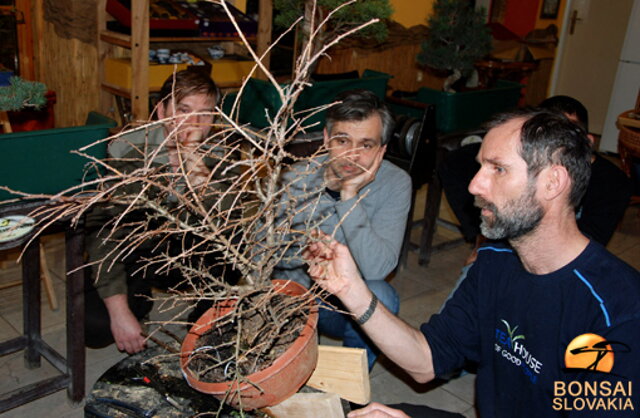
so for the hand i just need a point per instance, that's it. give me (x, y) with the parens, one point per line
(332, 266)
(125, 328)
(375, 409)
(349, 188)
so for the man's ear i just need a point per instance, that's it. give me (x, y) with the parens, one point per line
(592, 140)
(556, 182)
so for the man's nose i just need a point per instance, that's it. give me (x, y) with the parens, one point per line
(478, 184)
(353, 152)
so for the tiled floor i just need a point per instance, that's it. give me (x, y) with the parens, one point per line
(422, 291)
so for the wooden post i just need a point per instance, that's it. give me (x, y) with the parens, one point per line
(105, 49)
(263, 38)
(140, 59)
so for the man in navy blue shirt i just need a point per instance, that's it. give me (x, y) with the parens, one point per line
(552, 319)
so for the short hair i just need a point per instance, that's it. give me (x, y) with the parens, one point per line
(568, 106)
(548, 138)
(187, 82)
(358, 105)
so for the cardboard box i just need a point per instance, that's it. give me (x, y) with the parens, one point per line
(117, 72)
(229, 71)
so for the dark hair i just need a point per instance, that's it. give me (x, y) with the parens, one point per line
(187, 82)
(568, 106)
(548, 138)
(358, 105)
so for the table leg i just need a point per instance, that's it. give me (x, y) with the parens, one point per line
(75, 313)
(31, 303)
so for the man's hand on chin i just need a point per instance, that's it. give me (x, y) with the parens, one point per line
(350, 187)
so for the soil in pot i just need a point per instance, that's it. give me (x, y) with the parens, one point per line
(257, 353)
(261, 341)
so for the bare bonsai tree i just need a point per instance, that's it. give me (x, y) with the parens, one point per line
(241, 214)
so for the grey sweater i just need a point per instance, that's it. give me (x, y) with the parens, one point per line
(372, 226)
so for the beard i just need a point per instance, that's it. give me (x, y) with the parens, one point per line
(519, 216)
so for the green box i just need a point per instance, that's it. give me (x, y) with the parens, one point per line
(42, 162)
(261, 98)
(469, 109)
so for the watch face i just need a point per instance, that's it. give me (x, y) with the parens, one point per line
(14, 227)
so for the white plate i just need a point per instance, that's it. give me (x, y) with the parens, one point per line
(14, 227)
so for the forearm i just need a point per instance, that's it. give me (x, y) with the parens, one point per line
(401, 343)
(117, 305)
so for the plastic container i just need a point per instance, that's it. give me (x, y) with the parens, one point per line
(42, 162)
(260, 97)
(469, 109)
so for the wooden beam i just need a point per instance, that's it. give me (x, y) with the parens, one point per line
(140, 59)
(263, 38)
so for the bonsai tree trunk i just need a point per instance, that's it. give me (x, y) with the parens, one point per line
(449, 81)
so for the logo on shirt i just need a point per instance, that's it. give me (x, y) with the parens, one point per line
(511, 347)
(591, 352)
(595, 355)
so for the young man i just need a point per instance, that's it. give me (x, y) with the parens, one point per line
(552, 320)
(116, 297)
(600, 210)
(365, 203)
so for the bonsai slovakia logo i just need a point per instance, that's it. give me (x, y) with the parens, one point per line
(595, 355)
(589, 352)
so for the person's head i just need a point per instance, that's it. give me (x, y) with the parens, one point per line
(569, 107)
(189, 97)
(530, 160)
(356, 128)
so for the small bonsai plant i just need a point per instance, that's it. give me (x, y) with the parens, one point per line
(343, 19)
(20, 94)
(242, 216)
(457, 38)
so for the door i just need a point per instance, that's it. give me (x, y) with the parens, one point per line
(590, 45)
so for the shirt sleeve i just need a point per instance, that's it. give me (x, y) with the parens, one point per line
(375, 241)
(453, 334)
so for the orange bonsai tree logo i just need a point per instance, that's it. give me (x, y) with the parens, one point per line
(590, 352)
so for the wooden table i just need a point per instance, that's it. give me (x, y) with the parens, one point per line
(71, 367)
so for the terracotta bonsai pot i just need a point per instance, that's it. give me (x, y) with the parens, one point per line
(271, 385)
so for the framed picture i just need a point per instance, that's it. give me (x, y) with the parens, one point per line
(549, 9)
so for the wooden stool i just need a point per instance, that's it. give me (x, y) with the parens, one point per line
(72, 368)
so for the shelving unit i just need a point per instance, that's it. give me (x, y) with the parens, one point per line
(138, 42)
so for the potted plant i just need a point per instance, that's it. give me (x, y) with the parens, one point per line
(457, 38)
(343, 20)
(239, 218)
(20, 104)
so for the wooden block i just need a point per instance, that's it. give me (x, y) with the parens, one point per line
(307, 405)
(343, 371)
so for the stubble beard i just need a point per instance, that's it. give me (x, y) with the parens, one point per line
(518, 218)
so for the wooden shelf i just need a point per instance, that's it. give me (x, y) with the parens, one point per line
(124, 40)
(138, 42)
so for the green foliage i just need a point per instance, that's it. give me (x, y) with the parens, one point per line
(21, 93)
(287, 11)
(458, 37)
